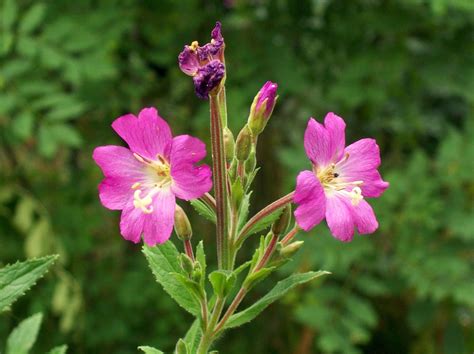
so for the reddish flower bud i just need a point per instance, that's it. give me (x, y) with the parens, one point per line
(262, 107)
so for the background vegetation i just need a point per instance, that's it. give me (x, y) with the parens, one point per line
(398, 70)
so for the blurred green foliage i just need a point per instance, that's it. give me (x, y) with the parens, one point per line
(398, 70)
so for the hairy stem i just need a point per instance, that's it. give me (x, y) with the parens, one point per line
(289, 236)
(209, 201)
(208, 334)
(220, 183)
(188, 247)
(261, 214)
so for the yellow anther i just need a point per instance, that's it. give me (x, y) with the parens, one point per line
(194, 45)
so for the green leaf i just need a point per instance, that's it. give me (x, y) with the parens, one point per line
(22, 126)
(193, 336)
(244, 210)
(280, 289)
(17, 278)
(32, 18)
(24, 335)
(204, 210)
(201, 258)
(150, 350)
(164, 261)
(9, 13)
(58, 350)
(265, 222)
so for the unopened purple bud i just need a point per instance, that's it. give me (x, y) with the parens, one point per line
(188, 59)
(208, 78)
(262, 107)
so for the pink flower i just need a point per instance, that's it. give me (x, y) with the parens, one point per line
(144, 180)
(340, 180)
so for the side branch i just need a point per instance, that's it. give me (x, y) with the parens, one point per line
(261, 214)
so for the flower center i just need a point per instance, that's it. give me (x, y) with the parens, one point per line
(158, 177)
(333, 181)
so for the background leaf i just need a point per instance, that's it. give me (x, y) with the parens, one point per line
(21, 340)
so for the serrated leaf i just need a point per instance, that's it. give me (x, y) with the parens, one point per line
(280, 289)
(265, 222)
(150, 350)
(164, 261)
(32, 18)
(22, 338)
(62, 349)
(17, 278)
(204, 210)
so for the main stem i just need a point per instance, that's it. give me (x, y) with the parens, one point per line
(220, 183)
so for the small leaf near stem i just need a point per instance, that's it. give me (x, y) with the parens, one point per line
(260, 215)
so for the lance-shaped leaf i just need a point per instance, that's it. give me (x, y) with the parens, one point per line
(193, 336)
(265, 222)
(204, 210)
(22, 338)
(164, 263)
(17, 278)
(150, 350)
(58, 350)
(277, 292)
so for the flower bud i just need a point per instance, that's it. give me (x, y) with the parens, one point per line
(243, 145)
(182, 226)
(262, 107)
(291, 249)
(181, 347)
(251, 162)
(283, 221)
(229, 144)
(186, 263)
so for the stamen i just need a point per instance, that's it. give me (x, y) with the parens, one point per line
(356, 196)
(136, 185)
(143, 203)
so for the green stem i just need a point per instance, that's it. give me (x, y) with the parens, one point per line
(220, 183)
(260, 215)
(243, 291)
(208, 335)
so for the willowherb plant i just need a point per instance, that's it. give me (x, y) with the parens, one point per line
(145, 179)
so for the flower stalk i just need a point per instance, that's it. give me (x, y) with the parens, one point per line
(220, 182)
(261, 214)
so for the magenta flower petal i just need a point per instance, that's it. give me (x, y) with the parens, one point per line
(189, 181)
(114, 193)
(373, 185)
(364, 217)
(309, 195)
(339, 217)
(363, 155)
(336, 129)
(159, 224)
(122, 170)
(132, 222)
(148, 135)
(317, 143)
(188, 61)
(117, 161)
